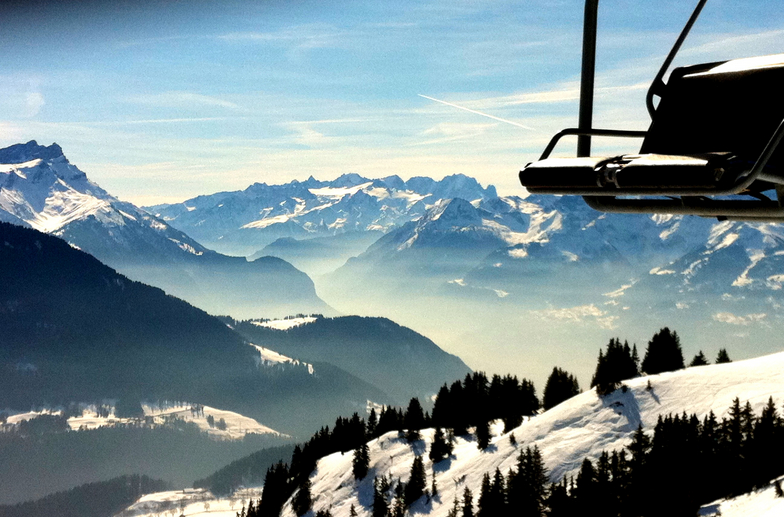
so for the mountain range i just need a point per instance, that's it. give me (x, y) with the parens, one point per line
(41, 189)
(449, 258)
(473, 270)
(242, 222)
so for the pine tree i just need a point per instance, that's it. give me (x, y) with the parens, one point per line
(399, 504)
(664, 353)
(527, 488)
(276, 490)
(699, 360)
(560, 386)
(352, 512)
(614, 366)
(302, 500)
(468, 503)
(439, 449)
(361, 461)
(483, 506)
(380, 506)
(455, 510)
(723, 357)
(585, 490)
(483, 435)
(416, 483)
(372, 422)
(441, 411)
(414, 420)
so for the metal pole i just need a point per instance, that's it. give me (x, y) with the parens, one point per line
(587, 78)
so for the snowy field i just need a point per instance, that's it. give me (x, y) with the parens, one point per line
(93, 417)
(285, 324)
(581, 427)
(760, 503)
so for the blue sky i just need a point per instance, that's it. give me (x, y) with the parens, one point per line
(163, 100)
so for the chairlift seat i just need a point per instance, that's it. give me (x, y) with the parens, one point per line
(709, 129)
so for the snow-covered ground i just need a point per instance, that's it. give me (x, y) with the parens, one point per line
(581, 427)
(286, 323)
(190, 503)
(760, 503)
(268, 357)
(237, 425)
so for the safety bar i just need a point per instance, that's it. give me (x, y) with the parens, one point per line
(658, 82)
(620, 133)
(742, 183)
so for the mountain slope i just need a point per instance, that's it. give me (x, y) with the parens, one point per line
(580, 427)
(398, 360)
(40, 188)
(74, 330)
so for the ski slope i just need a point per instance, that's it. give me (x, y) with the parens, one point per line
(581, 427)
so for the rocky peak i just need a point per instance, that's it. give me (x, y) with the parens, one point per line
(21, 153)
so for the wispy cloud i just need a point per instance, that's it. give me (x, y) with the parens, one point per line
(579, 314)
(732, 319)
(302, 37)
(181, 99)
(446, 132)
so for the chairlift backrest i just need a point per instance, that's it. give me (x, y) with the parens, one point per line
(733, 106)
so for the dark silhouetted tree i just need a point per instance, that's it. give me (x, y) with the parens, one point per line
(380, 505)
(560, 386)
(699, 360)
(414, 420)
(439, 449)
(417, 482)
(302, 500)
(483, 435)
(468, 503)
(372, 422)
(664, 353)
(361, 461)
(723, 357)
(613, 366)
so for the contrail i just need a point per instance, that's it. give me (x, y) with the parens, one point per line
(479, 113)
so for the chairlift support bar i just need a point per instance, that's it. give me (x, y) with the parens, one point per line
(587, 77)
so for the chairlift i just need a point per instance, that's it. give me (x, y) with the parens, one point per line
(712, 148)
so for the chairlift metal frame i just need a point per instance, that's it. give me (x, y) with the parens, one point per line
(696, 201)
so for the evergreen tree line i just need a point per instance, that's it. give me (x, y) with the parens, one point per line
(684, 464)
(89, 500)
(663, 354)
(475, 401)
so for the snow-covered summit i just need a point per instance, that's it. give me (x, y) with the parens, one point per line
(20, 153)
(40, 188)
(244, 221)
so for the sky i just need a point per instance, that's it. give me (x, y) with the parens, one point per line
(162, 100)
